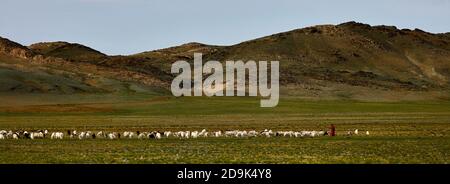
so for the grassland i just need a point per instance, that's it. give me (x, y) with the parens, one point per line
(401, 132)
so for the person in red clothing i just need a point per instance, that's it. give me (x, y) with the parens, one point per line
(332, 130)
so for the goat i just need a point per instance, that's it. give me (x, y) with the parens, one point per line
(100, 134)
(130, 135)
(218, 133)
(57, 135)
(203, 133)
(15, 136)
(126, 134)
(113, 135)
(26, 135)
(266, 133)
(167, 134)
(194, 134)
(82, 135)
(141, 135)
(37, 135)
(158, 135)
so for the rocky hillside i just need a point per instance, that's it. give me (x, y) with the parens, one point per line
(65, 68)
(350, 60)
(68, 51)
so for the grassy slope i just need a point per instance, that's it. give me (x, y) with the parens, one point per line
(258, 150)
(401, 132)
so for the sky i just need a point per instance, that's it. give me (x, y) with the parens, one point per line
(122, 27)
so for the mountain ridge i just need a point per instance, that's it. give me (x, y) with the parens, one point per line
(348, 59)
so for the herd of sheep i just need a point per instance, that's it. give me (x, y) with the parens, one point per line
(73, 134)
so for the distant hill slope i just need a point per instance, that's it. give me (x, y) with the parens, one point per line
(350, 60)
(68, 51)
(65, 68)
(354, 54)
(8, 47)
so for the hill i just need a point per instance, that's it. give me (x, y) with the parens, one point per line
(64, 68)
(68, 51)
(346, 61)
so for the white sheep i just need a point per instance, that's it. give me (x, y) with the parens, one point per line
(180, 134)
(15, 136)
(167, 134)
(176, 134)
(126, 134)
(321, 133)
(218, 134)
(113, 135)
(57, 135)
(230, 133)
(194, 134)
(241, 133)
(306, 133)
(81, 136)
(267, 133)
(287, 133)
(252, 133)
(203, 133)
(101, 134)
(131, 135)
(37, 135)
(141, 136)
(88, 134)
(349, 133)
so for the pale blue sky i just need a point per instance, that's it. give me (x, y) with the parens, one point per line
(132, 26)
